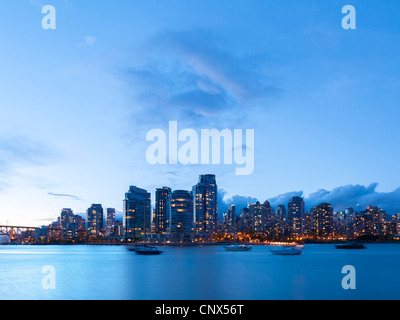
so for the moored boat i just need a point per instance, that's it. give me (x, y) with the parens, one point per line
(238, 247)
(146, 250)
(350, 246)
(287, 250)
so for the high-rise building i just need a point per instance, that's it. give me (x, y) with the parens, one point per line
(229, 219)
(349, 222)
(181, 223)
(270, 219)
(137, 213)
(296, 216)
(65, 220)
(259, 217)
(162, 212)
(245, 224)
(76, 228)
(373, 221)
(110, 218)
(322, 220)
(281, 216)
(95, 221)
(54, 231)
(307, 224)
(205, 206)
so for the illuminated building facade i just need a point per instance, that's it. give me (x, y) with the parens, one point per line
(95, 221)
(65, 220)
(229, 219)
(259, 217)
(322, 220)
(110, 222)
(137, 213)
(181, 213)
(162, 212)
(296, 216)
(205, 215)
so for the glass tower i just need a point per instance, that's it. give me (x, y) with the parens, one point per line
(205, 213)
(296, 216)
(181, 213)
(95, 221)
(137, 213)
(162, 213)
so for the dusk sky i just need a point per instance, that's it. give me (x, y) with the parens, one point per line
(77, 102)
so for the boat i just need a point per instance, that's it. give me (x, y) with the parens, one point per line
(350, 246)
(146, 250)
(287, 250)
(237, 247)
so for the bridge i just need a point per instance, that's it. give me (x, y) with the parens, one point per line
(15, 233)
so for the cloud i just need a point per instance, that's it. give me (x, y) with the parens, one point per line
(239, 201)
(61, 195)
(340, 198)
(191, 77)
(90, 40)
(14, 149)
(284, 198)
(17, 152)
(352, 195)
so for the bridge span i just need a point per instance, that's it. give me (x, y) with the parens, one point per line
(15, 232)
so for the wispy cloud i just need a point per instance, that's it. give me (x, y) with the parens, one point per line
(17, 152)
(62, 195)
(192, 77)
(90, 40)
(17, 149)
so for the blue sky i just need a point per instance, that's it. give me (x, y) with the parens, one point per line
(76, 102)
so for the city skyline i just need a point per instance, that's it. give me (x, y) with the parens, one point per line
(78, 101)
(189, 216)
(240, 202)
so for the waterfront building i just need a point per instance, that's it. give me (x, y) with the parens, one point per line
(259, 216)
(244, 224)
(116, 231)
(229, 219)
(280, 222)
(110, 222)
(322, 220)
(307, 224)
(54, 231)
(349, 222)
(162, 212)
(95, 221)
(296, 216)
(137, 213)
(76, 228)
(41, 234)
(269, 216)
(205, 206)
(373, 221)
(181, 225)
(65, 220)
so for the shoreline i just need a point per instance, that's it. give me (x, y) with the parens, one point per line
(206, 244)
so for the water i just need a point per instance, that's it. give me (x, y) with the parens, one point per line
(112, 272)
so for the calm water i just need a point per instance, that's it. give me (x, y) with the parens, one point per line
(107, 272)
